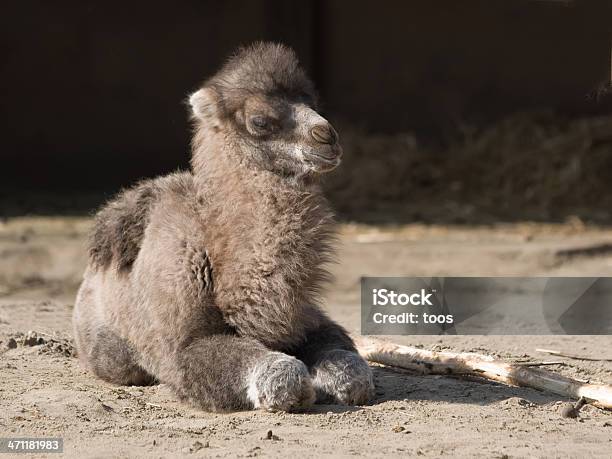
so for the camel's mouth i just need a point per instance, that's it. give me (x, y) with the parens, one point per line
(331, 155)
(325, 160)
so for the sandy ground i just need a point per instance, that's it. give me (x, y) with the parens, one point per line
(43, 392)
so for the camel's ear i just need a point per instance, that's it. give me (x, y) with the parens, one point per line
(204, 105)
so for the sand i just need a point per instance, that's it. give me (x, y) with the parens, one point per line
(44, 392)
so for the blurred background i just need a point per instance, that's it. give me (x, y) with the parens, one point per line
(471, 111)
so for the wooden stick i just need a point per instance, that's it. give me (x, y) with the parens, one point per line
(539, 364)
(572, 356)
(472, 364)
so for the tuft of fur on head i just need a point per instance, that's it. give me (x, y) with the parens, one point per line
(263, 68)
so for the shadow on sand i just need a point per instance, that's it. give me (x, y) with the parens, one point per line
(394, 384)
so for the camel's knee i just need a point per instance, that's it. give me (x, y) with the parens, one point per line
(279, 382)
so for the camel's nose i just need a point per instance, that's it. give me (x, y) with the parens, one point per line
(324, 133)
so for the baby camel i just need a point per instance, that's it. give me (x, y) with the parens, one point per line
(209, 280)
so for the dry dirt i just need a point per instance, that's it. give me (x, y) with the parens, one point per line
(43, 392)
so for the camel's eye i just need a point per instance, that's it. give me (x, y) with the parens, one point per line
(260, 122)
(263, 124)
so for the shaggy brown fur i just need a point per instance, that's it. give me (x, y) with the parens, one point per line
(209, 281)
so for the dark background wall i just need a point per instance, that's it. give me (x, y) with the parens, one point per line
(93, 92)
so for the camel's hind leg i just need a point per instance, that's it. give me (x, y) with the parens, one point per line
(101, 349)
(113, 359)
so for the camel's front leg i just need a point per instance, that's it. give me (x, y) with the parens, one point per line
(339, 374)
(227, 372)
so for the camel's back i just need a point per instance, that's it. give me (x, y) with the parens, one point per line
(120, 225)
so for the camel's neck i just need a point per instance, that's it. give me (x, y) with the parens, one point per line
(260, 225)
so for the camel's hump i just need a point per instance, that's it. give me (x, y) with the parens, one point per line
(120, 224)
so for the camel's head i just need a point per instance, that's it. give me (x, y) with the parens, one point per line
(262, 102)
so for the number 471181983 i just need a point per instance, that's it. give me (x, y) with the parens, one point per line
(31, 445)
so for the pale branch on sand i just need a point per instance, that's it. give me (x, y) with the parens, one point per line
(484, 366)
